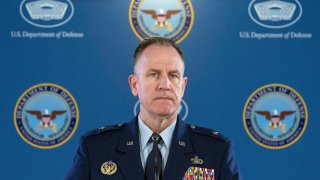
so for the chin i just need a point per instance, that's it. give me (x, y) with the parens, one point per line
(165, 111)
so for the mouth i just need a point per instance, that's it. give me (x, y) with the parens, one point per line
(164, 98)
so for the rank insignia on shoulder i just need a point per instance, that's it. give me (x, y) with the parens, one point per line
(196, 160)
(110, 127)
(192, 126)
(198, 173)
(108, 168)
(216, 133)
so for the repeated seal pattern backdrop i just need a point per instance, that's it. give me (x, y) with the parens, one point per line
(253, 69)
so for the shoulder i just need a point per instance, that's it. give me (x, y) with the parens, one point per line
(105, 130)
(207, 132)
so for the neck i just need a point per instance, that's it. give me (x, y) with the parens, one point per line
(157, 123)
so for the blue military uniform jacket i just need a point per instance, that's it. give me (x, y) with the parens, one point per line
(120, 144)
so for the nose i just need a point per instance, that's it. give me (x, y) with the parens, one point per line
(164, 83)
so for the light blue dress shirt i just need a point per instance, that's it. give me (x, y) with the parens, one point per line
(146, 147)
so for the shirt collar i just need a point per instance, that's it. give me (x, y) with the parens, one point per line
(166, 134)
(146, 132)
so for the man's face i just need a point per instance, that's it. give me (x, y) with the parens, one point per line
(159, 81)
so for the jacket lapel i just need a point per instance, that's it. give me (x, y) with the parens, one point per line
(181, 152)
(129, 162)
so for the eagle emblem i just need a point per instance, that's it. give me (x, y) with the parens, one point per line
(161, 18)
(46, 118)
(275, 119)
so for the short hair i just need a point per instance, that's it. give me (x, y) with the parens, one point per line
(159, 41)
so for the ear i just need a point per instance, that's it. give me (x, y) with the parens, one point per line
(184, 84)
(132, 79)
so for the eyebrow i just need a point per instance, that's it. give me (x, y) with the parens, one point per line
(175, 71)
(159, 71)
(153, 70)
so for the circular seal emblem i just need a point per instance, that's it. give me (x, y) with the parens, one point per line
(46, 13)
(182, 111)
(167, 18)
(108, 168)
(46, 116)
(275, 14)
(275, 116)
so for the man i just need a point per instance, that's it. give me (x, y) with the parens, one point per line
(157, 142)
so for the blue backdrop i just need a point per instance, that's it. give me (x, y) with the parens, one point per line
(225, 63)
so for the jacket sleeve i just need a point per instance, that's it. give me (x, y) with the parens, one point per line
(229, 167)
(80, 166)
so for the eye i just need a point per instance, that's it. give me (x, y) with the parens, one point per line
(174, 76)
(153, 74)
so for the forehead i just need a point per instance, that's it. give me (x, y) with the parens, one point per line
(159, 57)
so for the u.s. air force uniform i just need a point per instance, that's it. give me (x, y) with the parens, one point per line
(114, 153)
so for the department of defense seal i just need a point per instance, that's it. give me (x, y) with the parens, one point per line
(167, 18)
(46, 116)
(275, 14)
(46, 13)
(275, 116)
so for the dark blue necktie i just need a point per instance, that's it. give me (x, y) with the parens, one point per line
(153, 169)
